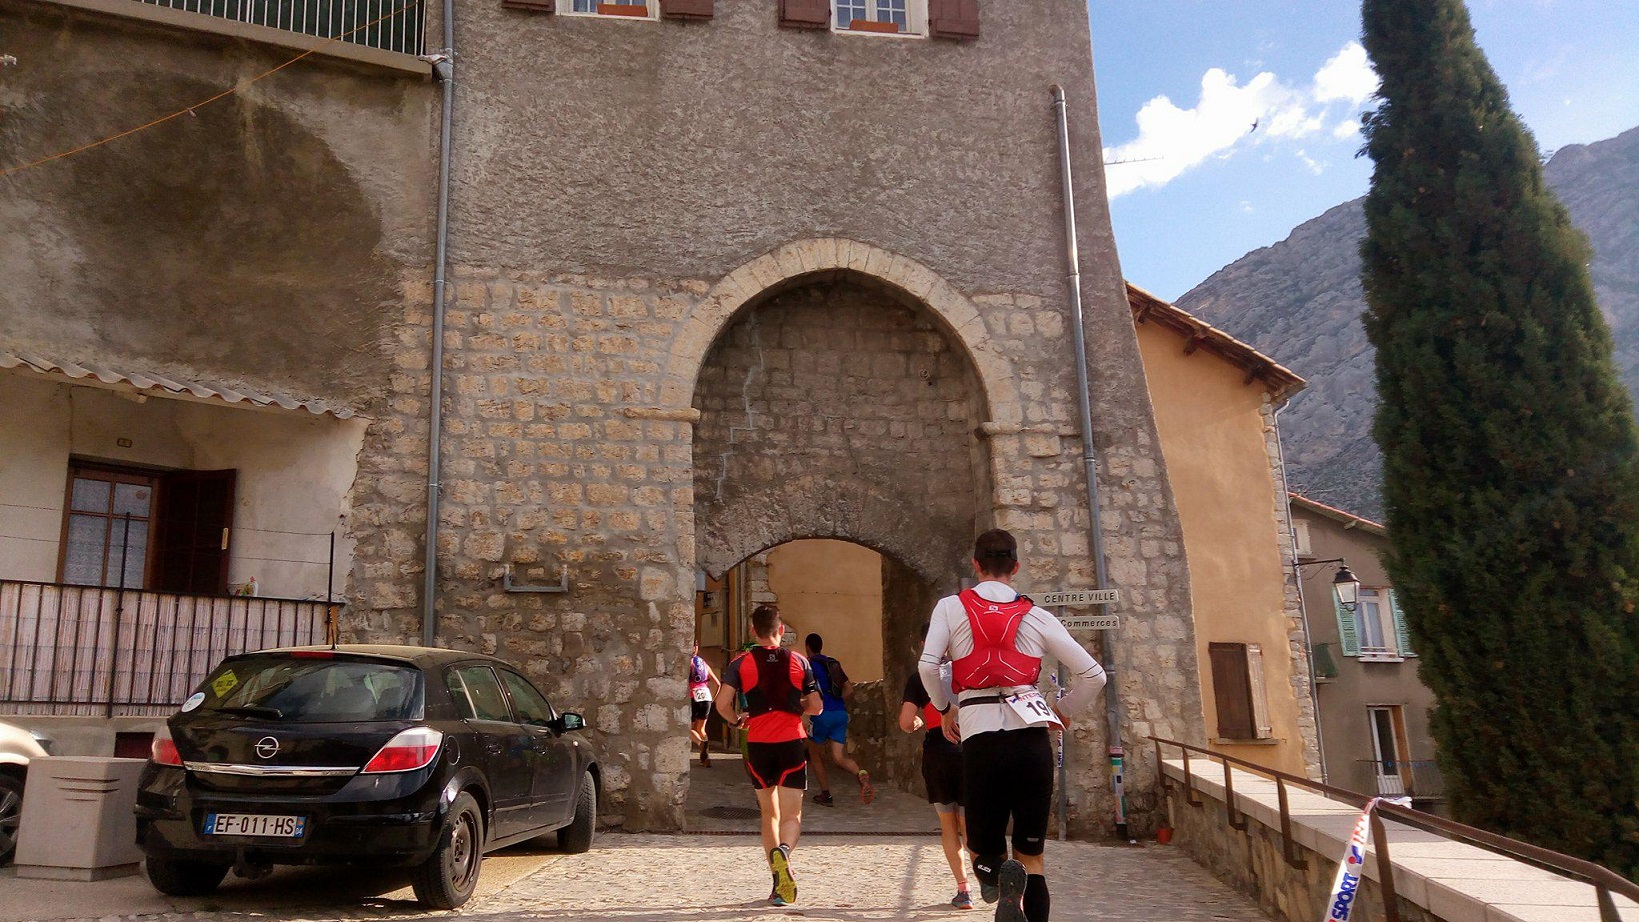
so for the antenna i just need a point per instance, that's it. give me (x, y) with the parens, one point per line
(1133, 160)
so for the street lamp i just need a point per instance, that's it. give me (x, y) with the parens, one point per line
(1344, 583)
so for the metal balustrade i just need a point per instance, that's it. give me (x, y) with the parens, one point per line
(391, 25)
(1603, 880)
(91, 650)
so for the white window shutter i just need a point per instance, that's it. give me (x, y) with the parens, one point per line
(1260, 700)
(1402, 637)
(1348, 633)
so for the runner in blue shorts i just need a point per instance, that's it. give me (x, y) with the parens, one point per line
(828, 730)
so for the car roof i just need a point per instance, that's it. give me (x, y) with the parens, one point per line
(423, 657)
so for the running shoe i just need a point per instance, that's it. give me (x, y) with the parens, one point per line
(961, 900)
(1011, 883)
(988, 891)
(867, 792)
(824, 799)
(785, 886)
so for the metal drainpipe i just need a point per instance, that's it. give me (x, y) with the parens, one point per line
(1112, 694)
(444, 69)
(1303, 605)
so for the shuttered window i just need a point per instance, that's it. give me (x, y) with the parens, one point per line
(805, 14)
(953, 19)
(1238, 691)
(1348, 633)
(631, 9)
(1402, 636)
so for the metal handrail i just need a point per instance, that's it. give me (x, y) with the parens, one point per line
(1603, 880)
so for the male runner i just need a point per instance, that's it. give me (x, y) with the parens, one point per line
(701, 678)
(779, 689)
(830, 727)
(995, 639)
(941, 773)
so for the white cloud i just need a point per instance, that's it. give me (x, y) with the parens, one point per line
(1346, 129)
(1173, 140)
(1347, 77)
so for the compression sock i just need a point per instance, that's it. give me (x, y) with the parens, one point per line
(1037, 903)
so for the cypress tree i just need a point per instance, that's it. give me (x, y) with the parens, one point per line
(1511, 475)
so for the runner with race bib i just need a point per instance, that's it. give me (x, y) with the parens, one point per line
(995, 640)
(701, 693)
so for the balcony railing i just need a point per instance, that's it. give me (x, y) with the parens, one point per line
(391, 25)
(89, 650)
(1416, 778)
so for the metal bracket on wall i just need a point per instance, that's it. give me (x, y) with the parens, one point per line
(562, 586)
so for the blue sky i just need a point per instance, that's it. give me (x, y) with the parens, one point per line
(1201, 71)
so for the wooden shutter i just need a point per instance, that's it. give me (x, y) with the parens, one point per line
(1348, 633)
(192, 530)
(687, 9)
(953, 19)
(1402, 636)
(1232, 690)
(533, 6)
(805, 14)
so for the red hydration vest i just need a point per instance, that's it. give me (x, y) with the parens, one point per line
(931, 718)
(994, 661)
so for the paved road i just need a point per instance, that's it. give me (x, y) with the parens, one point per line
(848, 870)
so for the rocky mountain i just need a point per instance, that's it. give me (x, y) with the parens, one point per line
(1299, 301)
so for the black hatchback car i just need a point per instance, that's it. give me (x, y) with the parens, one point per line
(375, 755)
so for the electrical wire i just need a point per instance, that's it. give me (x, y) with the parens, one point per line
(188, 110)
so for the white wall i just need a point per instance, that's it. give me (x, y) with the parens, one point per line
(295, 473)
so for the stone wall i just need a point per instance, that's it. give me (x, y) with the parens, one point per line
(1298, 641)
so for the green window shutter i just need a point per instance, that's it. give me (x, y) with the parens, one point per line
(1402, 637)
(1347, 632)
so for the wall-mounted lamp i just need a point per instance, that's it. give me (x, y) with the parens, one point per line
(1344, 583)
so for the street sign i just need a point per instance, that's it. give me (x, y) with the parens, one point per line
(1091, 622)
(1076, 598)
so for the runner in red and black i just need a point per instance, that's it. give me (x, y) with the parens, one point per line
(779, 688)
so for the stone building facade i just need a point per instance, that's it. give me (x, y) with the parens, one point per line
(714, 285)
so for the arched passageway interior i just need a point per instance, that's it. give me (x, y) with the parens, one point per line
(839, 408)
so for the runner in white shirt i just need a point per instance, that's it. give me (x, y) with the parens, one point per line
(995, 640)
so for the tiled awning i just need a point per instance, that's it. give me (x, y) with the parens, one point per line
(142, 381)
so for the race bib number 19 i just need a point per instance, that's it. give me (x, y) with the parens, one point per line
(1031, 706)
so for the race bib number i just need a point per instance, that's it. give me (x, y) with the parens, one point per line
(700, 693)
(1031, 706)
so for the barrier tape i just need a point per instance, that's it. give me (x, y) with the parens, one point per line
(1346, 886)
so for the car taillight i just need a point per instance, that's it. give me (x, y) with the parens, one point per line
(412, 749)
(163, 749)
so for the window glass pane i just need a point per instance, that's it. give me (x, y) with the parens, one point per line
(463, 704)
(850, 10)
(531, 707)
(892, 11)
(90, 495)
(1371, 620)
(133, 550)
(1383, 732)
(586, 6)
(83, 559)
(487, 701)
(303, 690)
(132, 499)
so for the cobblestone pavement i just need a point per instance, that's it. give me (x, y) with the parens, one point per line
(721, 800)
(682, 878)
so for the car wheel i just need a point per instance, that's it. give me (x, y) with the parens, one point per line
(577, 836)
(11, 816)
(447, 878)
(176, 877)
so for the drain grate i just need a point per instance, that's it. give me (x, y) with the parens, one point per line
(731, 813)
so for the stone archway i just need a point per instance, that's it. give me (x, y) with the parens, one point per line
(833, 404)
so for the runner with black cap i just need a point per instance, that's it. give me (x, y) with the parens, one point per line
(995, 640)
(779, 689)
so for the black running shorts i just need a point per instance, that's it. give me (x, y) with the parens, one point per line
(699, 710)
(942, 772)
(782, 765)
(1007, 774)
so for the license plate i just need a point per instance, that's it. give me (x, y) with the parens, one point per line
(255, 824)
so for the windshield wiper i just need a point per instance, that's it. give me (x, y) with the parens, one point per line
(253, 710)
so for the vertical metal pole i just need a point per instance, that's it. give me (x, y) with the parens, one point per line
(119, 609)
(1064, 777)
(331, 629)
(1112, 691)
(445, 71)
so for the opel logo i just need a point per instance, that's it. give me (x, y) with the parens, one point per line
(267, 747)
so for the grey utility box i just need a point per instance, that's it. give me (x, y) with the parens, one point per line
(77, 822)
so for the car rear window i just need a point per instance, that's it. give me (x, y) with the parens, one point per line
(313, 690)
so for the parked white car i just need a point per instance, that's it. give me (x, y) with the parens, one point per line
(17, 748)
